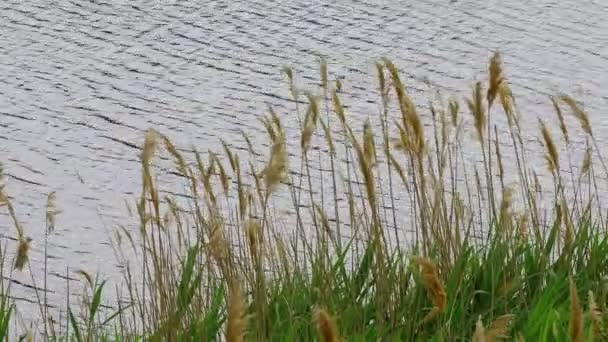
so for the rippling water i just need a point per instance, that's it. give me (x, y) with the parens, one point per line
(80, 81)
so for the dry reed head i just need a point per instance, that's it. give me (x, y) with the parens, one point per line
(568, 233)
(560, 117)
(180, 163)
(417, 129)
(253, 229)
(552, 156)
(224, 179)
(479, 334)
(149, 146)
(51, 211)
(576, 315)
(218, 245)
(87, 277)
(338, 107)
(276, 168)
(499, 328)
(323, 220)
(369, 147)
(392, 69)
(586, 164)
(326, 327)
(381, 79)
(231, 156)
(396, 80)
(505, 210)
(596, 315)
(310, 123)
(454, 107)
(501, 169)
(236, 321)
(22, 253)
(403, 142)
(433, 285)
(478, 111)
(328, 139)
(579, 113)
(323, 72)
(508, 103)
(496, 78)
(288, 71)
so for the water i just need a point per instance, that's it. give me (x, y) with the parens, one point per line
(81, 81)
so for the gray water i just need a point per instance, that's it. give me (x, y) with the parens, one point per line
(81, 81)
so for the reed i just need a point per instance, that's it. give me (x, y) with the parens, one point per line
(412, 240)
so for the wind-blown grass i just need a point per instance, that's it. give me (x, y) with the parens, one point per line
(489, 256)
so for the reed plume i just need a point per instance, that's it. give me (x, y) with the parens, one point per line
(478, 111)
(223, 176)
(454, 108)
(369, 146)
(288, 71)
(560, 117)
(496, 78)
(479, 335)
(505, 210)
(586, 164)
(552, 156)
(338, 107)
(253, 229)
(22, 253)
(51, 211)
(579, 113)
(236, 323)
(596, 316)
(328, 138)
(276, 169)
(433, 285)
(310, 123)
(499, 328)
(87, 277)
(501, 168)
(323, 73)
(508, 102)
(149, 148)
(325, 324)
(381, 79)
(576, 315)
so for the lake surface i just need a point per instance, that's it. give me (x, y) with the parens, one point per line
(81, 81)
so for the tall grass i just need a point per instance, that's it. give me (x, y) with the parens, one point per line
(491, 250)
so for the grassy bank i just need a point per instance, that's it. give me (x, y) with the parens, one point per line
(489, 250)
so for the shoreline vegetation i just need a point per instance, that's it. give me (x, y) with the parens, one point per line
(488, 260)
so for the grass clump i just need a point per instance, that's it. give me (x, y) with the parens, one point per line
(489, 250)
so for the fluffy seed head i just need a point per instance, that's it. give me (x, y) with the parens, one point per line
(369, 147)
(499, 328)
(579, 113)
(479, 335)
(326, 327)
(478, 111)
(496, 78)
(22, 253)
(236, 321)
(323, 73)
(433, 285)
(576, 315)
(552, 156)
(560, 117)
